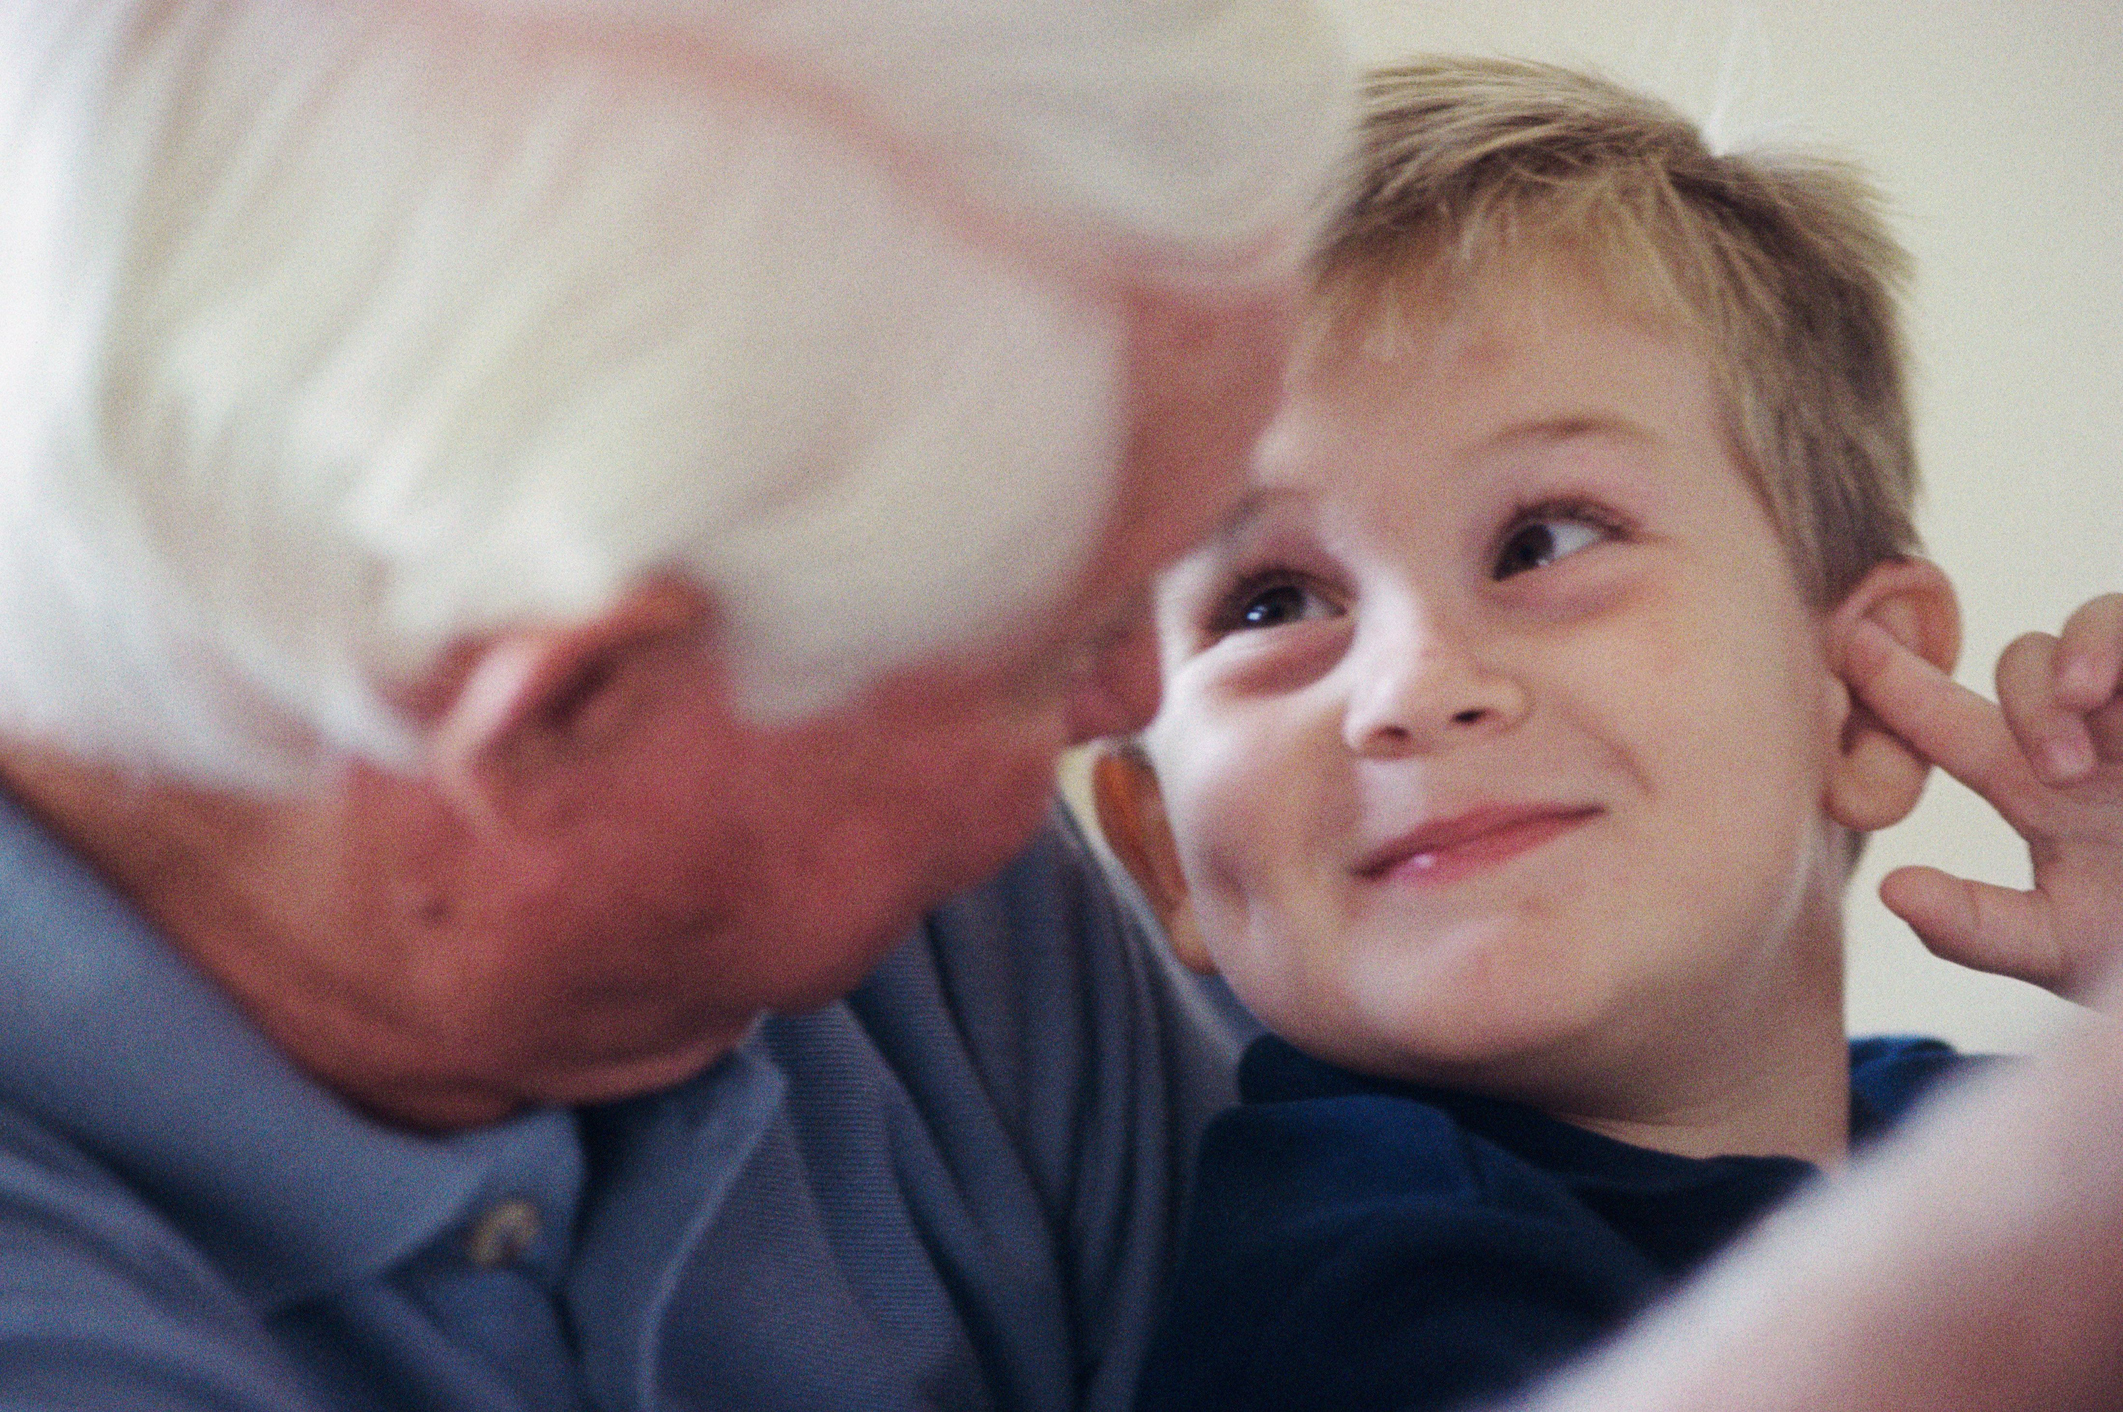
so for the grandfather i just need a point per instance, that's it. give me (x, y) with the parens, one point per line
(539, 538)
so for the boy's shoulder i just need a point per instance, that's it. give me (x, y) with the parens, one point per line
(1355, 1242)
(1311, 1139)
(1351, 1239)
(1348, 1245)
(1325, 1134)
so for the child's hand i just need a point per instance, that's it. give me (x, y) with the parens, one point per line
(2051, 762)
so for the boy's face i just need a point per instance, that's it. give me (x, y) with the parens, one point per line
(1496, 730)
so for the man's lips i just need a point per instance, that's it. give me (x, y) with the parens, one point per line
(1446, 850)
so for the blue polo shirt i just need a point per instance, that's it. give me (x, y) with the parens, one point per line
(954, 1189)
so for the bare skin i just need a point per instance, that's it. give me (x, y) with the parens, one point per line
(1449, 812)
(2049, 757)
(605, 874)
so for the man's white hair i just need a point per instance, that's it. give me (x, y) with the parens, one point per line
(336, 331)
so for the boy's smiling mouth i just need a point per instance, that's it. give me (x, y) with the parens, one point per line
(1445, 850)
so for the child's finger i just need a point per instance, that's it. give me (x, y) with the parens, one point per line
(2105, 725)
(1945, 722)
(1976, 924)
(2052, 736)
(2090, 654)
(2090, 672)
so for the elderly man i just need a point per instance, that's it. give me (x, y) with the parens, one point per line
(541, 537)
(538, 535)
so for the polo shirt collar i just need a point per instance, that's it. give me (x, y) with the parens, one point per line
(661, 1166)
(112, 1039)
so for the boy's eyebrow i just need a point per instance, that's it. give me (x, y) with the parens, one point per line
(1260, 501)
(1547, 430)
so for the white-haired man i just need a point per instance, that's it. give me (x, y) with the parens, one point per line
(539, 537)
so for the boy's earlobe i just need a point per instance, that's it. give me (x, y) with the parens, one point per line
(1876, 779)
(1131, 814)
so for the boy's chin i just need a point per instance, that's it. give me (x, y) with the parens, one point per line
(1487, 999)
(1531, 1057)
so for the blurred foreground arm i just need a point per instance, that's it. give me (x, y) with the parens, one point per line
(1972, 1267)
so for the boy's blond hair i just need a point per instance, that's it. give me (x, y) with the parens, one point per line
(1778, 263)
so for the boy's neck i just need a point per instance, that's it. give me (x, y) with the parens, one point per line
(1796, 1108)
(1777, 1083)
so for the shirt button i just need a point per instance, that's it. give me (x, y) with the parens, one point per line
(503, 1234)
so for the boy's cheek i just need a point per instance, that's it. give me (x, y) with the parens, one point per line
(1247, 666)
(1231, 802)
(1613, 582)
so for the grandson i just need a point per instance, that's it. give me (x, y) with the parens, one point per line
(1505, 769)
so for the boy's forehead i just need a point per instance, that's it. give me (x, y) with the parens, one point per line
(1535, 364)
(1381, 306)
(1533, 354)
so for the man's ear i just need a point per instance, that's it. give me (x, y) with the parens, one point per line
(517, 706)
(1131, 814)
(1875, 779)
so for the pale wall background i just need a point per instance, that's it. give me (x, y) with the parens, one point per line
(1995, 128)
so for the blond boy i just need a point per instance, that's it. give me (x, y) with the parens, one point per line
(1506, 768)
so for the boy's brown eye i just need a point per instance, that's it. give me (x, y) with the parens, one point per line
(1537, 543)
(1281, 603)
(1270, 604)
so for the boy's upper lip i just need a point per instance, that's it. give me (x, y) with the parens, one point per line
(1464, 827)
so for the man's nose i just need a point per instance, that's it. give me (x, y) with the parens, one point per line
(1418, 682)
(1116, 690)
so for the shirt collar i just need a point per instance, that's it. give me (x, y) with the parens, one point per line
(660, 1168)
(111, 1038)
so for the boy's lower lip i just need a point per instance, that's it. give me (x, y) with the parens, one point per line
(1442, 866)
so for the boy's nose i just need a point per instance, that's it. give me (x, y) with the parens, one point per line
(1415, 687)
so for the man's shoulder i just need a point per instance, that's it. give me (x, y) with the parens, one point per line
(973, 1168)
(56, 1200)
(104, 1304)
(1051, 985)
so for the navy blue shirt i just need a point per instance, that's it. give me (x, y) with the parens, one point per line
(1360, 1243)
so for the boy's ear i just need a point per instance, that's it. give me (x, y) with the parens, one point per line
(1875, 779)
(1131, 814)
(514, 708)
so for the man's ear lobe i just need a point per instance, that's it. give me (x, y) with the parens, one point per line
(534, 698)
(1131, 814)
(1875, 778)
